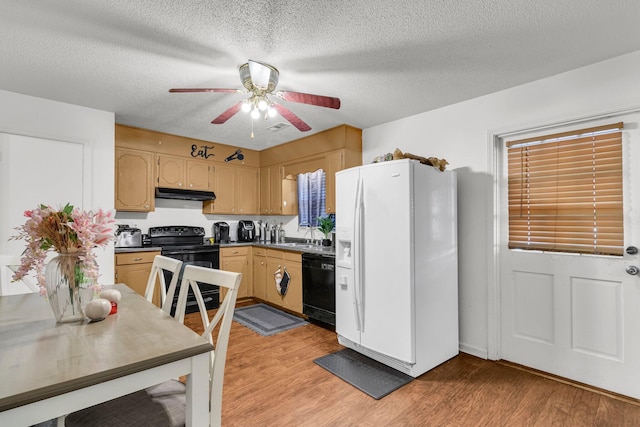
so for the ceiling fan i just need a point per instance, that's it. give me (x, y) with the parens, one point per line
(260, 80)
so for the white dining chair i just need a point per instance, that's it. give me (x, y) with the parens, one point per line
(164, 404)
(156, 276)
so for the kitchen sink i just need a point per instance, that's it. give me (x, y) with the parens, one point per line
(299, 245)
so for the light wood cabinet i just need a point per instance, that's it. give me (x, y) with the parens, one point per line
(133, 269)
(198, 175)
(225, 189)
(187, 174)
(335, 161)
(238, 260)
(270, 190)
(248, 187)
(292, 263)
(293, 299)
(134, 183)
(278, 194)
(289, 186)
(260, 273)
(236, 189)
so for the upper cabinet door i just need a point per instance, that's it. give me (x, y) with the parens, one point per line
(265, 191)
(248, 184)
(198, 175)
(275, 188)
(335, 163)
(134, 181)
(171, 172)
(226, 190)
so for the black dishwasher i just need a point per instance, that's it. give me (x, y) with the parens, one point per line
(318, 287)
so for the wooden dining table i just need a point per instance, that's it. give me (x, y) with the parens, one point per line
(50, 369)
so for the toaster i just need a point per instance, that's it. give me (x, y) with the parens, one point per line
(128, 237)
(246, 231)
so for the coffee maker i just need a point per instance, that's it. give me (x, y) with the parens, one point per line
(246, 231)
(221, 232)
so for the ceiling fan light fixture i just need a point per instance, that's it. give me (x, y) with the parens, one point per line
(260, 80)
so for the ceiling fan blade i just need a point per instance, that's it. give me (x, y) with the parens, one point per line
(291, 118)
(308, 98)
(204, 89)
(227, 114)
(260, 74)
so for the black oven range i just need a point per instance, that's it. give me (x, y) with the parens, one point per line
(186, 244)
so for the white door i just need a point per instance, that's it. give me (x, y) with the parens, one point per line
(577, 316)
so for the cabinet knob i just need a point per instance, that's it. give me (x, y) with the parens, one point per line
(137, 259)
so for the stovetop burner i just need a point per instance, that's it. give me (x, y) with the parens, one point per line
(176, 235)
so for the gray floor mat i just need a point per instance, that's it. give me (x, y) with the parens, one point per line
(266, 320)
(365, 374)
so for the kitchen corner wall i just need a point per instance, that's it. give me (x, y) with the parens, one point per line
(461, 133)
(93, 130)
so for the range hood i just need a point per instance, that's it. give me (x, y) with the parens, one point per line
(180, 194)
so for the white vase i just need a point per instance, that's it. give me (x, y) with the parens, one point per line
(68, 288)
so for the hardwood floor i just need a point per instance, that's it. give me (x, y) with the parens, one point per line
(272, 381)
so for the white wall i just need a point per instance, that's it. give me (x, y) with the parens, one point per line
(187, 212)
(40, 118)
(460, 133)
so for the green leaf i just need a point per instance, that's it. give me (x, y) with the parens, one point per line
(68, 208)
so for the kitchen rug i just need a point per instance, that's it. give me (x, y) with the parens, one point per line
(266, 320)
(365, 374)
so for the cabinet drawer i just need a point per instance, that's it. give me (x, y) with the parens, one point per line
(274, 253)
(135, 258)
(235, 251)
(259, 252)
(293, 256)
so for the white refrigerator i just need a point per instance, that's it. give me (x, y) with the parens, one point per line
(397, 264)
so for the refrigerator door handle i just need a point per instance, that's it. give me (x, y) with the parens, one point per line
(358, 255)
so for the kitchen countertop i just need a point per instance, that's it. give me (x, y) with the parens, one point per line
(144, 249)
(301, 247)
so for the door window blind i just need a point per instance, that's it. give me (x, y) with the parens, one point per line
(565, 192)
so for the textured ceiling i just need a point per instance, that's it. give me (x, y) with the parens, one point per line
(384, 59)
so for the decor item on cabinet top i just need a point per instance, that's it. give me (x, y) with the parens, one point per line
(397, 155)
(326, 225)
(73, 234)
(431, 161)
(311, 198)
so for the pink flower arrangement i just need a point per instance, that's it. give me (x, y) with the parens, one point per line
(68, 230)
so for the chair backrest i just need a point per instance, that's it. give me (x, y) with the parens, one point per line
(160, 264)
(191, 276)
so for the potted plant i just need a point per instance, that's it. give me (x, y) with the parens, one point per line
(326, 225)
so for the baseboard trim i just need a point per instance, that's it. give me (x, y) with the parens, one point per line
(474, 351)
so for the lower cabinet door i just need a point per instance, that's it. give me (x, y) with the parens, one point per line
(293, 299)
(272, 295)
(260, 277)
